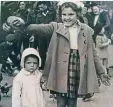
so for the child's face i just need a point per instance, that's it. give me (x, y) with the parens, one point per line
(68, 16)
(31, 64)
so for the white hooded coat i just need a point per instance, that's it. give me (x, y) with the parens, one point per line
(26, 90)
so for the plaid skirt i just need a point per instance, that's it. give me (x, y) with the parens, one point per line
(73, 75)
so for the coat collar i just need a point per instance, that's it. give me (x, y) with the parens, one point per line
(62, 30)
(28, 73)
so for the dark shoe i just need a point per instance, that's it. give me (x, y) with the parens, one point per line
(87, 97)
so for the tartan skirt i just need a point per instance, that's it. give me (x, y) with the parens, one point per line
(73, 75)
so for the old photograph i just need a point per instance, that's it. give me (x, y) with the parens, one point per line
(56, 53)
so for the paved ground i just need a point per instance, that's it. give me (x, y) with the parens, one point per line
(102, 99)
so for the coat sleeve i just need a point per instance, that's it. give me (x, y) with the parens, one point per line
(98, 65)
(16, 93)
(41, 29)
(107, 20)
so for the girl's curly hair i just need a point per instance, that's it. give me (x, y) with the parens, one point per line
(67, 5)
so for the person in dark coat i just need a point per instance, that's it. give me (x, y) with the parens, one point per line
(98, 18)
(24, 13)
(5, 11)
(6, 50)
(110, 31)
(45, 12)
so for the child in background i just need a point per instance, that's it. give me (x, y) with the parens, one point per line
(102, 43)
(6, 50)
(26, 90)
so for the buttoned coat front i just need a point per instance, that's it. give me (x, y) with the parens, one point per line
(56, 66)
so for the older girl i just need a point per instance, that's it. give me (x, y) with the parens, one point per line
(72, 63)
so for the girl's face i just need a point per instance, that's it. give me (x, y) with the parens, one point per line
(31, 64)
(69, 16)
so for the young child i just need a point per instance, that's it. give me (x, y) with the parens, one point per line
(102, 43)
(26, 90)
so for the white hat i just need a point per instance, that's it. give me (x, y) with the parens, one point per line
(77, 2)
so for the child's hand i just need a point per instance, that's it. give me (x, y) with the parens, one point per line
(105, 79)
(109, 41)
(44, 86)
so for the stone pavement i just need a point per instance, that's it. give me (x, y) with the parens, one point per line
(102, 99)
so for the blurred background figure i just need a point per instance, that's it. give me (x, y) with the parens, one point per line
(5, 89)
(102, 43)
(23, 12)
(7, 50)
(44, 13)
(98, 18)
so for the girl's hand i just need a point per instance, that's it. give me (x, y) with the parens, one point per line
(6, 27)
(105, 79)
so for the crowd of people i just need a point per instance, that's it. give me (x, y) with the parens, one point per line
(68, 41)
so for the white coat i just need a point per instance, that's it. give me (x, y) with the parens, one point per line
(26, 90)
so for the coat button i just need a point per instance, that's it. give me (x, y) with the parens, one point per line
(85, 65)
(64, 61)
(85, 42)
(84, 35)
(85, 56)
(82, 29)
(66, 53)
